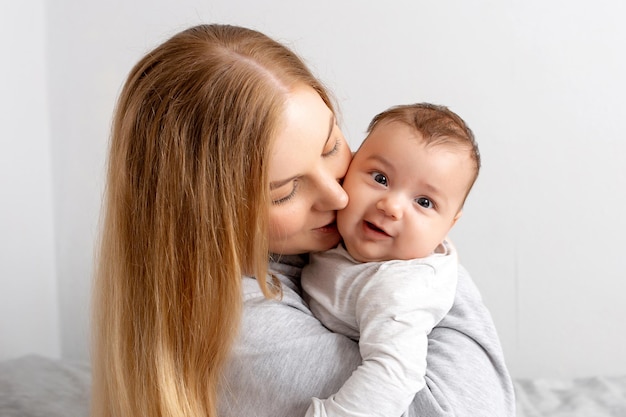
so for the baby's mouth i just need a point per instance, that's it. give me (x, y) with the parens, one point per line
(375, 228)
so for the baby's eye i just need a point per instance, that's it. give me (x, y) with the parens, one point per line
(424, 202)
(379, 178)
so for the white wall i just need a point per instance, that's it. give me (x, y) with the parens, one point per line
(540, 82)
(29, 321)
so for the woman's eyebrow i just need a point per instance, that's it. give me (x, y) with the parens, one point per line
(277, 184)
(330, 129)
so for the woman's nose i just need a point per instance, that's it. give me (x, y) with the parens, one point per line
(331, 195)
(391, 205)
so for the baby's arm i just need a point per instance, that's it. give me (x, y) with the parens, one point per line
(396, 310)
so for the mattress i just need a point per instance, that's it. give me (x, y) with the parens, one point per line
(581, 397)
(34, 386)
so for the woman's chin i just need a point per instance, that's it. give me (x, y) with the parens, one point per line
(317, 242)
(328, 240)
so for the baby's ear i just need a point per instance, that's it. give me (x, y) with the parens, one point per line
(457, 217)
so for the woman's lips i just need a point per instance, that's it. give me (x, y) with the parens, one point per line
(328, 228)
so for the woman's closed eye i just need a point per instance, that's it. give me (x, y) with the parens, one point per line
(335, 148)
(285, 198)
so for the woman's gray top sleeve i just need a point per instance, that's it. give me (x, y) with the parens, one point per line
(284, 357)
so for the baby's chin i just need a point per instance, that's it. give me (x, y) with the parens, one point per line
(373, 253)
(361, 254)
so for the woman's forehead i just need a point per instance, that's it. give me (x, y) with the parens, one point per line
(306, 125)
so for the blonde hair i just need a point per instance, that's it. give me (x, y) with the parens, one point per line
(438, 125)
(185, 215)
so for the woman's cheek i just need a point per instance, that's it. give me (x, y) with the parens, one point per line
(284, 227)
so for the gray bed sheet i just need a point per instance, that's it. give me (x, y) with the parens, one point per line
(580, 397)
(34, 386)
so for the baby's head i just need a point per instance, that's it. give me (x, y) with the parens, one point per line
(407, 183)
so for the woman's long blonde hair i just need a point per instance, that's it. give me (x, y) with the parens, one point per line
(185, 215)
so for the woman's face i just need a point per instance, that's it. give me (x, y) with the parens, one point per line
(309, 158)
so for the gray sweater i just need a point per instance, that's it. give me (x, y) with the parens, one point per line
(284, 356)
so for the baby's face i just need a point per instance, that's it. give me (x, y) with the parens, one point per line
(404, 196)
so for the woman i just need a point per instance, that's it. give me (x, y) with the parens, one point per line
(225, 149)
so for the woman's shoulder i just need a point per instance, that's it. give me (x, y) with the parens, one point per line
(287, 270)
(468, 290)
(469, 311)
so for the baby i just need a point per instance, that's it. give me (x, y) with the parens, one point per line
(394, 277)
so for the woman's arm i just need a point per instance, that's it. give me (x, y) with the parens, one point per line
(466, 373)
(284, 357)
